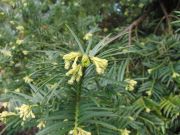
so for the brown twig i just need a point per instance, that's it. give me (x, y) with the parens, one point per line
(166, 16)
(130, 32)
(170, 15)
(157, 26)
(129, 28)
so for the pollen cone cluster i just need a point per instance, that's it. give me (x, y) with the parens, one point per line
(5, 114)
(130, 84)
(79, 131)
(25, 112)
(76, 61)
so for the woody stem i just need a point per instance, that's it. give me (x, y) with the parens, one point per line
(77, 107)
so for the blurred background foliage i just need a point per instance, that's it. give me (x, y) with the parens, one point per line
(34, 38)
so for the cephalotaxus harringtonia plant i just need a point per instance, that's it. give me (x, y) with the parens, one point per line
(130, 87)
(111, 103)
(77, 63)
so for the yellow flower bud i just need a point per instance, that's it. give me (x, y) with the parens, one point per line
(71, 56)
(71, 81)
(20, 28)
(75, 62)
(19, 42)
(12, 22)
(130, 84)
(125, 132)
(79, 74)
(25, 52)
(101, 64)
(88, 36)
(175, 75)
(67, 64)
(147, 110)
(27, 79)
(149, 93)
(133, 82)
(17, 90)
(73, 71)
(41, 124)
(150, 71)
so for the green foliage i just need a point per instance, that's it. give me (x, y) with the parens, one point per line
(138, 94)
